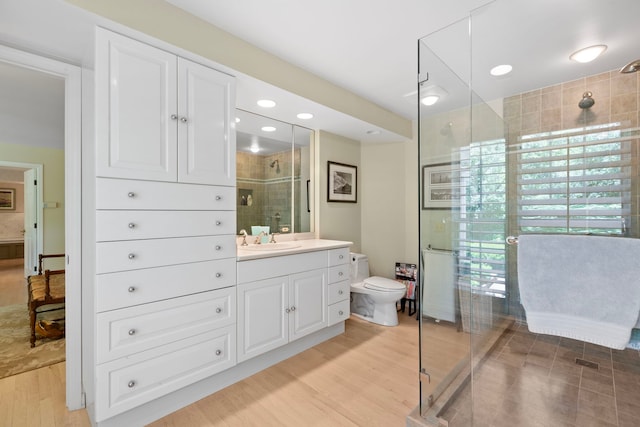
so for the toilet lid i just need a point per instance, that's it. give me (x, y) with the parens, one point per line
(383, 284)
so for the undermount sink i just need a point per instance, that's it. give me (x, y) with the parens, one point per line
(271, 246)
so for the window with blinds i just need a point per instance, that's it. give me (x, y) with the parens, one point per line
(482, 217)
(574, 181)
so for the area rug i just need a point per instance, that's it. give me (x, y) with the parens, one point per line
(16, 354)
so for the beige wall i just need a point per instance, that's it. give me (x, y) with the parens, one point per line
(339, 221)
(389, 208)
(53, 187)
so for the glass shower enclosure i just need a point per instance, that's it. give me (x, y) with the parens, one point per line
(494, 165)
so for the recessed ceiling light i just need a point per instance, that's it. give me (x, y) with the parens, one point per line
(588, 54)
(268, 129)
(305, 116)
(430, 99)
(266, 103)
(501, 70)
(254, 148)
(237, 119)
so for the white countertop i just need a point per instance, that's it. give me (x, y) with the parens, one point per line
(289, 247)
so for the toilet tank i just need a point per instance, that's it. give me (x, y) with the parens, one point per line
(359, 267)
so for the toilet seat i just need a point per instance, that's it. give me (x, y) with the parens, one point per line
(383, 284)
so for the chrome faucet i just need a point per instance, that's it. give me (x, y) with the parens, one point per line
(243, 233)
(273, 238)
(259, 237)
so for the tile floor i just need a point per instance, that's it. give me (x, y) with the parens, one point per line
(534, 380)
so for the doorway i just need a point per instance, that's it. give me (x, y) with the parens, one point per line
(66, 204)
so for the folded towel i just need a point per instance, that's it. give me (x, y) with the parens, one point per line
(581, 287)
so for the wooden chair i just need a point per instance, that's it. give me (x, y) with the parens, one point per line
(45, 291)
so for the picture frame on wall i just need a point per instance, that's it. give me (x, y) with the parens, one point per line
(7, 198)
(342, 182)
(441, 186)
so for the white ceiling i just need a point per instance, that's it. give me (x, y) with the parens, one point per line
(370, 46)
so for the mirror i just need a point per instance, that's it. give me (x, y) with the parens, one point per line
(273, 175)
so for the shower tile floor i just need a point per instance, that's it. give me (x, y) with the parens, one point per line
(534, 380)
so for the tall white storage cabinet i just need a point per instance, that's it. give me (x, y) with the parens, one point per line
(164, 310)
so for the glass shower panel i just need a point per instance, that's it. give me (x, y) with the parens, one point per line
(462, 222)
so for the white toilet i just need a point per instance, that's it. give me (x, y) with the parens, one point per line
(373, 298)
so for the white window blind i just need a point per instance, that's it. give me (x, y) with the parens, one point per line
(574, 181)
(482, 217)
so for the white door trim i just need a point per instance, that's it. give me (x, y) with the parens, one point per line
(72, 146)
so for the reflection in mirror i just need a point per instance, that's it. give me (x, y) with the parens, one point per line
(273, 166)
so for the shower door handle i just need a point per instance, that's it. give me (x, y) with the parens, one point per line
(511, 240)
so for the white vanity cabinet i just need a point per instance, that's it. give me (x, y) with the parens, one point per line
(280, 299)
(161, 117)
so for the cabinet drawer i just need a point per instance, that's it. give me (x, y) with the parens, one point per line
(133, 194)
(339, 291)
(136, 254)
(128, 288)
(130, 330)
(338, 256)
(129, 382)
(339, 312)
(131, 225)
(339, 273)
(260, 269)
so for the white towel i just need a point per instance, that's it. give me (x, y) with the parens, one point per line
(581, 287)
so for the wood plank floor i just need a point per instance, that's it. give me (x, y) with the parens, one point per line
(366, 377)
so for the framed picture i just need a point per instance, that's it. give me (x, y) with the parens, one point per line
(7, 198)
(441, 186)
(342, 183)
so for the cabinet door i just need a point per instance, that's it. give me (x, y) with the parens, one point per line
(136, 97)
(206, 152)
(263, 321)
(307, 302)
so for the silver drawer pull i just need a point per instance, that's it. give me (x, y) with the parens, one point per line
(131, 225)
(341, 312)
(131, 384)
(218, 275)
(340, 292)
(218, 247)
(341, 257)
(340, 273)
(218, 352)
(218, 197)
(218, 310)
(131, 194)
(131, 289)
(174, 117)
(132, 331)
(131, 256)
(218, 223)
(184, 119)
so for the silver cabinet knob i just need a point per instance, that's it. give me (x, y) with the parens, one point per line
(341, 257)
(293, 308)
(131, 256)
(131, 384)
(218, 275)
(131, 289)
(174, 117)
(218, 310)
(218, 247)
(218, 197)
(132, 331)
(340, 292)
(184, 119)
(131, 225)
(286, 310)
(218, 223)
(340, 274)
(218, 352)
(341, 312)
(131, 194)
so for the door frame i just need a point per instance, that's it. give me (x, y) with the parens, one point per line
(72, 76)
(39, 202)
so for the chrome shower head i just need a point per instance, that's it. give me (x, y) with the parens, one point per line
(631, 67)
(587, 101)
(275, 162)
